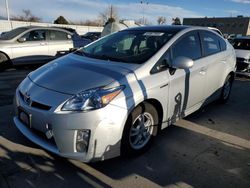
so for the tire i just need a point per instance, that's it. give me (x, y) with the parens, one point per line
(137, 136)
(4, 62)
(226, 89)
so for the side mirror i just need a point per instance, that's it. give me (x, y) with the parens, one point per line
(182, 63)
(22, 39)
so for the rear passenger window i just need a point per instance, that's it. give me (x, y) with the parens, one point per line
(188, 46)
(58, 35)
(223, 45)
(210, 43)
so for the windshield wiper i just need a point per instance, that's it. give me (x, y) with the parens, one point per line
(103, 57)
(110, 58)
(80, 52)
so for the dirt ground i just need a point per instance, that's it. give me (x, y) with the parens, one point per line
(210, 148)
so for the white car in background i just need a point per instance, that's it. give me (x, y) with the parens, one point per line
(242, 50)
(29, 45)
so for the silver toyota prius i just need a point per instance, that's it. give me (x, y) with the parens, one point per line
(114, 95)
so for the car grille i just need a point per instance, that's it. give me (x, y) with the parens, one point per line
(239, 59)
(34, 104)
(36, 132)
(242, 66)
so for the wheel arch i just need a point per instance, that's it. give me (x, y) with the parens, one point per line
(6, 55)
(232, 74)
(157, 105)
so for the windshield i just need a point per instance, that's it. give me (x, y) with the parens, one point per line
(13, 33)
(243, 44)
(127, 46)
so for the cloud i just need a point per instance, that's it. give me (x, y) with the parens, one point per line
(77, 10)
(153, 11)
(241, 1)
(232, 11)
(3, 11)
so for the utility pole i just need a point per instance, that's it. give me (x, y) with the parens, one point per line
(7, 10)
(111, 11)
(143, 3)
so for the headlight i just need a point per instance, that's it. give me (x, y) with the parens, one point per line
(91, 99)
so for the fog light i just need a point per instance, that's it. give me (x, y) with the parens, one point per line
(82, 140)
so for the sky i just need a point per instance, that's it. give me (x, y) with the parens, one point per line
(80, 10)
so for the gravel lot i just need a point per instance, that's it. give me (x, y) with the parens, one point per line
(210, 148)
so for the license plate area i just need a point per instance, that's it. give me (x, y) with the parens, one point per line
(24, 117)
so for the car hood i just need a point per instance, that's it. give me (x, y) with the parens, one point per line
(242, 53)
(72, 74)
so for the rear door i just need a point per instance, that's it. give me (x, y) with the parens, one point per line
(33, 50)
(214, 53)
(59, 42)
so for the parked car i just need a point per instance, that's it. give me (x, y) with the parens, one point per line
(27, 45)
(91, 35)
(79, 41)
(114, 95)
(3, 33)
(242, 50)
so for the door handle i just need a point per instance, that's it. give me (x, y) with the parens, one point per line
(203, 71)
(43, 43)
(224, 61)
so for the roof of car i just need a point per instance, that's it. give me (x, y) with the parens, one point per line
(41, 27)
(172, 28)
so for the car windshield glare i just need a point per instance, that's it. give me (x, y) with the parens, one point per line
(12, 34)
(243, 44)
(130, 46)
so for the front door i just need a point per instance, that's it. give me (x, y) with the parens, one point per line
(187, 87)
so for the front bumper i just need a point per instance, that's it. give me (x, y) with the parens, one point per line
(106, 126)
(243, 65)
(243, 68)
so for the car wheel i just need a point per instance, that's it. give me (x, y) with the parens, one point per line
(139, 129)
(226, 89)
(4, 62)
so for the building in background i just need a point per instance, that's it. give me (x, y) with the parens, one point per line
(237, 26)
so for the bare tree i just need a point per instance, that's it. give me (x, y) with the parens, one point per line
(110, 14)
(27, 16)
(161, 20)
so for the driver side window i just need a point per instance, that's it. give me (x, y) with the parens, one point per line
(35, 35)
(162, 64)
(188, 46)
